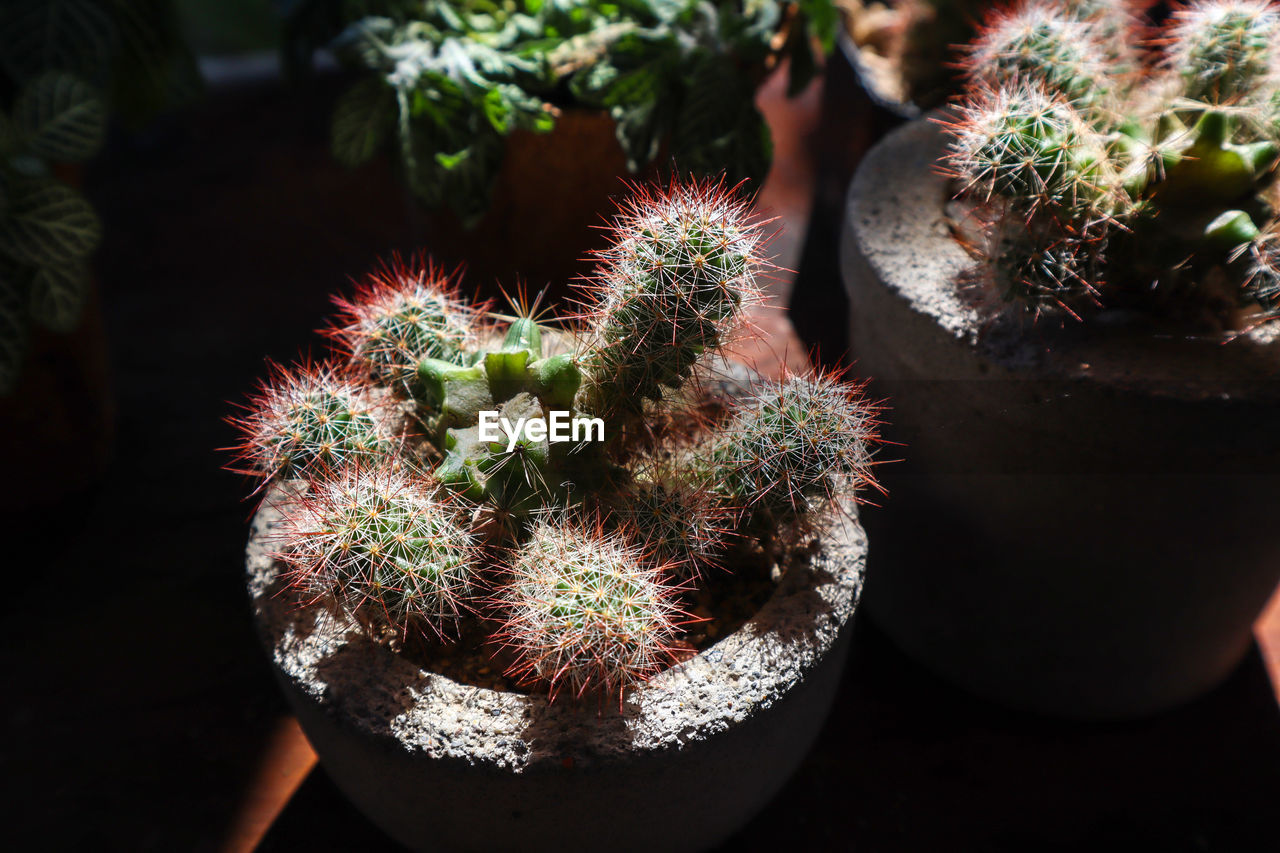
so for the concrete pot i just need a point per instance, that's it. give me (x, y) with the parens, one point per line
(692, 755)
(1085, 520)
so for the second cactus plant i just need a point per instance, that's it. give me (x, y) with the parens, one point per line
(1102, 172)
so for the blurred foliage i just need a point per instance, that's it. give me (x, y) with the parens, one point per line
(448, 80)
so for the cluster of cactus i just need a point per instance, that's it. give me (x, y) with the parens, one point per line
(1115, 167)
(414, 497)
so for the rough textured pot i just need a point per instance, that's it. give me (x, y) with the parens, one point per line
(1085, 522)
(691, 756)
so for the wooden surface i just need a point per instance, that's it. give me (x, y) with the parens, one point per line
(141, 711)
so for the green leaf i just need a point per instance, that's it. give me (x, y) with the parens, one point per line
(14, 331)
(364, 117)
(48, 224)
(57, 295)
(498, 110)
(61, 118)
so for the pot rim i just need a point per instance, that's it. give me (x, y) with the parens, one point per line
(328, 660)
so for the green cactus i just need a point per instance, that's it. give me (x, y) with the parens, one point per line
(794, 447)
(377, 544)
(1224, 50)
(585, 610)
(673, 286)
(1137, 200)
(307, 421)
(400, 317)
(589, 479)
(1049, 47)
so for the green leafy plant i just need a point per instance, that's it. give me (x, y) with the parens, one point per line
(64, 66)
(450, 81)
(414, 493)
(1108, 173)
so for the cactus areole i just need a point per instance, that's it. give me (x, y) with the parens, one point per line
(565, 483)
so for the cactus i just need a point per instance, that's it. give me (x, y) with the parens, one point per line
(796, 445)
(1122, 178)
(414, 477)
(1225, 50)
(676, 518)
(675, 283)
(585, 610)
(401, 316)
(1263, 282)
(306, 421)
(1049, 47)
(376, 543)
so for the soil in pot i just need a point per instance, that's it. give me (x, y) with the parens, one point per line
(1084, 520)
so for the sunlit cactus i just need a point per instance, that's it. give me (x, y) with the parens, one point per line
(585, 611)
(401, 315)
(578, 471)
(797, 444)
(1022, 146)
(1044, 45)
(675, 282)
(1225, 49)
(379, 544)
(309, 420)
(1135, 198)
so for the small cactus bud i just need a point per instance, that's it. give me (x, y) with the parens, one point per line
(796, 445)
(308, 420)
(1225, 49)
(400, 315)
(585, 611)
(377, 543)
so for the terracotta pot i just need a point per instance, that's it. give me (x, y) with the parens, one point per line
(1085, 522)
(442, 765)
(552, 193)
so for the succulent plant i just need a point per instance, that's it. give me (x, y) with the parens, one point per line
(306, 421)
(379, 543)
(586, 609)
(447, 81)
(1108, 176)
(571, 480)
